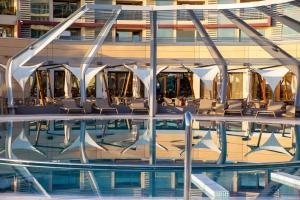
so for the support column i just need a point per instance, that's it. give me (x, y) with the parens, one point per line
(215, 53)
(153, 63)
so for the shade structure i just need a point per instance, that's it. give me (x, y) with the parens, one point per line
(207, 143)
(271, 144)
(89, 142)
(272, 76)
(144, 73)
(22, 74)
(89, 75)
(206, 74)
(2, 67)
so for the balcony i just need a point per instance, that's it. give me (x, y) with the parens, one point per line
(7, 7)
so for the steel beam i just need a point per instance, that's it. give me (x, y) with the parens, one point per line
(92, 52)
(153, 63)
(296, 3)
(214, 52)
(275, 51)
(34, 48)
(286, 20)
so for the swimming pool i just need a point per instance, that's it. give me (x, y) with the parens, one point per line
(144, 157)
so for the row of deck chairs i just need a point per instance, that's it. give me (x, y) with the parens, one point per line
(206, 106)
(101, 105)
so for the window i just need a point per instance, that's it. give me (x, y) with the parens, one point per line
(38, 30)
(6, 31)
(226, 34)
(7, 7)
(183, 14)
(245, 38)
(128, 36)
(185, 35)
(164, 17)
(165, 34)
(40, 10)
(130, 15)
(289, 33)
(71, 34)
(63, 8)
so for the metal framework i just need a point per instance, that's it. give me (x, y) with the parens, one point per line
(275, 51)
(90, 55)
(286, 20)
(214, 52)
(283, 57)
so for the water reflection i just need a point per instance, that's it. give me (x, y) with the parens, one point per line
(151, 141)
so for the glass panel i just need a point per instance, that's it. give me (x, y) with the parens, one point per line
(226, 34)
(7, 7)
(165, 35)
(185, 35)
(245, 38)
(40, 10)
(62, 9)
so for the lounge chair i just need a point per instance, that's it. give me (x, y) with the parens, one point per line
(290, 111)
(273, 108)
(69, 105)
(168, 102)
(102, 105)
(205, 106)
(138, 106)
(235, 106)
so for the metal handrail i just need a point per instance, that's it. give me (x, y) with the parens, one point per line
(188, 154)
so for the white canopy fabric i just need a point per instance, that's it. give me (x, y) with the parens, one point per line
(22, 142)
(271, 144)
(207, 143)
(22, 74)
(272, 76)
(144, 74)
(206, 74)
(88, 141)
(89, 75)
(3, 67)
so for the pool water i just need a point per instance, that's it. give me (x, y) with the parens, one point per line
(105, 144)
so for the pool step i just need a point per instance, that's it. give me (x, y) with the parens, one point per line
(286, 179)
(212, 189)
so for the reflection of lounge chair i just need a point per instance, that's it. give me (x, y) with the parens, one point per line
(102, 105)
(69, 105)
(272, 108)
(205, 106)
(138, 106)
(235, 106)
(168, 102)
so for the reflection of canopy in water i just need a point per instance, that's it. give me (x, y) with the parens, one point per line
(271, 144)
(207, 143)
(22, 142)
(23, 171)
(143, 139)
(89, 142)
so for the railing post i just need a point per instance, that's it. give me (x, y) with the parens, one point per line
(188, 155)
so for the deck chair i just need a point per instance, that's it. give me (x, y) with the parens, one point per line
(290, 111)
(205, 106)
(138, 106)
(69, 105)
(168, 102)
(273, 108)
(102, 105)
(235, 106)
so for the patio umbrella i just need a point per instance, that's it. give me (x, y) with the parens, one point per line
(272, 76)
(206, 74)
